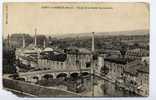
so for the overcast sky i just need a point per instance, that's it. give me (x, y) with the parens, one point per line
(25, 17)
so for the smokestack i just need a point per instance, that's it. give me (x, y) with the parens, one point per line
(93, 49)
(44, 44)
(8, 41)
(35, 37)
(23, 42)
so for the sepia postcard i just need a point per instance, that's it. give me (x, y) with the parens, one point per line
(68, 49)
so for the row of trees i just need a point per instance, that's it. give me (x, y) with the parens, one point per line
(100, 42)
(16, 40)
(9, 60)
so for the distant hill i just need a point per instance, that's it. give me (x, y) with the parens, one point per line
(135, 32)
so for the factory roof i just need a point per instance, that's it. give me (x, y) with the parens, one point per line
(84, 50)
(48, 49)
(53, 55)
(118, 60)
(75, 50)
(144, 69)
(134, 69)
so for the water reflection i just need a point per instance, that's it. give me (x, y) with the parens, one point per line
(101, 87)
(106, 88)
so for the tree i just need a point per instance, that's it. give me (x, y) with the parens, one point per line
(40, 40)
(17, 39)
(104, 70)
(9, 60)
(123, 50)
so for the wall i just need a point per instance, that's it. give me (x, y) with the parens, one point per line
(35, 89)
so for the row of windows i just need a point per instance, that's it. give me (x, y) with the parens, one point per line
(85, 64)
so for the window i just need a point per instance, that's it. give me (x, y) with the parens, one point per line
(88, 64)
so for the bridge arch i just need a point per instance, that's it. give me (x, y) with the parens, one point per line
(62, 75)
(85, 74)
(35, 77)
(47, 77)
(74, 75)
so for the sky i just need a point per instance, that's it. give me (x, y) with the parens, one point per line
(48, 20)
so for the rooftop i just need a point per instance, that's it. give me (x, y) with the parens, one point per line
(118, 60)
(134, 69)
(144, 69)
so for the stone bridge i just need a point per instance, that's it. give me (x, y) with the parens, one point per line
(51, 74)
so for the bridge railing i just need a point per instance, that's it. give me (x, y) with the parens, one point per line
(51, 71)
